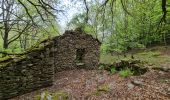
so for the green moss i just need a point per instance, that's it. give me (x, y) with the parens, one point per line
(39, 46)
(150, 58)
(2, 65)
(150, 53)
(6, 58)
(103, 88)
(43, 96)
(60, 95)
(37, 97)
(11, 60)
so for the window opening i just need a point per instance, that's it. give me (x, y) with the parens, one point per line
(80, 55)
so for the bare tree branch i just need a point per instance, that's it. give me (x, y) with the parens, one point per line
(124, 8)
(20, 33)
(26, 9)
(38, 11)
(87, 11)
(104, 4)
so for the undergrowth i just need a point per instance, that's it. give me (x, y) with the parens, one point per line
(126, 73)
(113, 70)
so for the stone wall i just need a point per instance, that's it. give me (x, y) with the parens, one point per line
(35, 69)
(26, 73)
(67, 45)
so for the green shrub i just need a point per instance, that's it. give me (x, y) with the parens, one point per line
(113, 70)
(126, 73)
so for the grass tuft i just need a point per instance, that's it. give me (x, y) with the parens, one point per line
(126, 73)
(113, 70)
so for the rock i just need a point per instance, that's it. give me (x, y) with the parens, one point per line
(30, 65)
(104, 88)
(42, 95)
(166, 69)
(130, 86)
(157, 88)
(161, 72)
(168, 91)
(137, 83)
(112, 85)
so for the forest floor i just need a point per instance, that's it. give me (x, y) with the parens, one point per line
(102, 85)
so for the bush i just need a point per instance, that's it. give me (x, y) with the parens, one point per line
(126, 73)
(113, 70)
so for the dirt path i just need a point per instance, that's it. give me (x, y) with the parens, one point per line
(100, 85)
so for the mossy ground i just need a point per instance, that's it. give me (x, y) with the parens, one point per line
(153, 57)
(59, 95)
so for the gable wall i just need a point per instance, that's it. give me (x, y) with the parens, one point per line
(65, 57)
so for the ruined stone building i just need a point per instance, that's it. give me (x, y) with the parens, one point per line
(35, 69)
(75, 50)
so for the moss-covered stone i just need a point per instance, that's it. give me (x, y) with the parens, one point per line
(60, 95)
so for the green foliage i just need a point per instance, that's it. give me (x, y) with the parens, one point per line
(58, 96)
(108, 59)
(126, 73)
(132, 26)
(27, 24)
(113, 70)
(4, 58)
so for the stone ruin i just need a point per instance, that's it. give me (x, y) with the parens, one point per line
(35, 68)
(76, 50)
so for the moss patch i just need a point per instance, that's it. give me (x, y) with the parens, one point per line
(153, 57)
(104, 88)
(60, 95)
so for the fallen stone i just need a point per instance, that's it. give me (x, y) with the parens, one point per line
(130, 86)
(137, 83)
(30, 65)
(168, 92)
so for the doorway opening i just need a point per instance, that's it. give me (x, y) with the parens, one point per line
(80, 53)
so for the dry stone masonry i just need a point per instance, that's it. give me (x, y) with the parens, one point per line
(76, 50)
(35, 69)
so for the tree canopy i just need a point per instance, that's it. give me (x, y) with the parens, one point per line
(126, 24)
(120, 25)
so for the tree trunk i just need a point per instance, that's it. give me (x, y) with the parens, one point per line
(5, 44)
